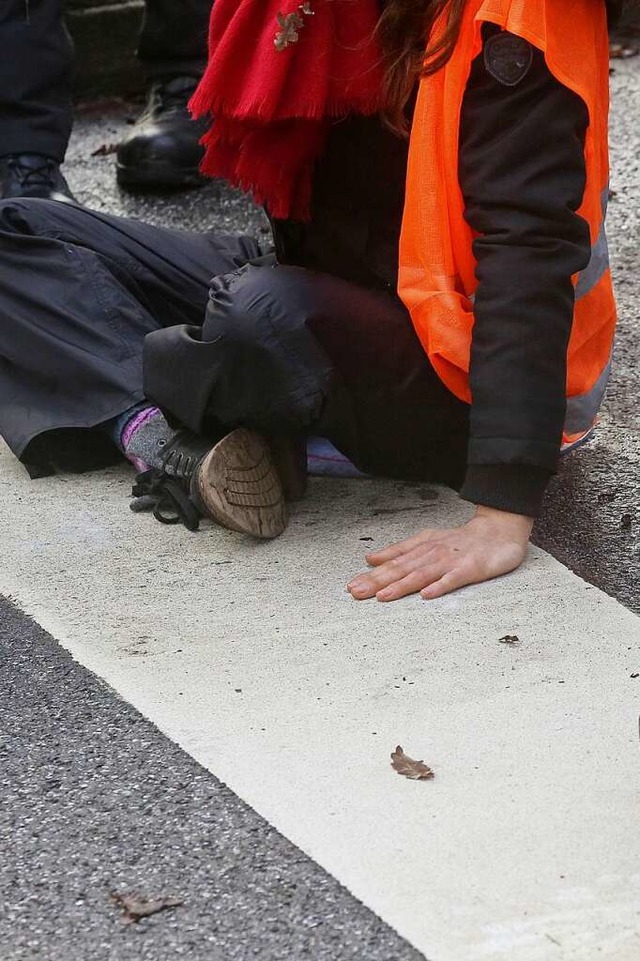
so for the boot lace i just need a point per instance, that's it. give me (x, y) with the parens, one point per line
(41, 175)
(174, 95)
(166, 497)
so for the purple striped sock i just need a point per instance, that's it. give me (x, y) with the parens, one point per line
(130, 428)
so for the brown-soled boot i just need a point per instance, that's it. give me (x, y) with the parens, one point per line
(234, 482)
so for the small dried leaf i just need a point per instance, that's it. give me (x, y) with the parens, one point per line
(134, 907)
(414, 770)
(104, 150)
(622, 51)
(509, 639)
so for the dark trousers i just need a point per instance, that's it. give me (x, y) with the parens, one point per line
(36, 65)
(98, 313)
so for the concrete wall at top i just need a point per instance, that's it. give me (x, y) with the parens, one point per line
(105, 36)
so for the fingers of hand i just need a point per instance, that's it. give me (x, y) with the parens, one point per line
(367, 585)
(400, 586)
(450, 581)
(375, 558)
(432, 580)
(399, 576)
(410, 584)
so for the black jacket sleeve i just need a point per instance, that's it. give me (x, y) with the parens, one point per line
(522, 175)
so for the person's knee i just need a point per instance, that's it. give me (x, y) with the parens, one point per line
(243, 299)
(259, 303)
(272, 369)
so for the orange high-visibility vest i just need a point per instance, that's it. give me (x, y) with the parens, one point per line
(436, 277)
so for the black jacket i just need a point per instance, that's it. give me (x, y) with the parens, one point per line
(522, 202)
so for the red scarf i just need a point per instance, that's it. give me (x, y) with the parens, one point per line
(278, 71)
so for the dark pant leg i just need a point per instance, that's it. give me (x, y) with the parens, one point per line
(286, 350)
(173, 40)
(79, 290)
(36, 78)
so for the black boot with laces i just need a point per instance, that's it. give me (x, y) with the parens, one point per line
(32, 175)
(235, 483)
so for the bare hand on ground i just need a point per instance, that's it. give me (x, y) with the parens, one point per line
(435, 562)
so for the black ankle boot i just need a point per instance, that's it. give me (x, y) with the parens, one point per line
(163, 148)
(32, 175)
(233, 482)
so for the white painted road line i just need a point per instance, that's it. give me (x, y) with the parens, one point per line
(525, 846)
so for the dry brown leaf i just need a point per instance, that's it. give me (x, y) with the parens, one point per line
(509, 639)
(622, 51)
(134, 907)
(104, 150)
(405, 765)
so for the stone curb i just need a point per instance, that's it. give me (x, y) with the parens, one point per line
(105, 37)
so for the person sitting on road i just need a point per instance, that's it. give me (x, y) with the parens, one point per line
(436, 308)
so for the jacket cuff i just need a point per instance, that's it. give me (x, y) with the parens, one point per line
(516, 488)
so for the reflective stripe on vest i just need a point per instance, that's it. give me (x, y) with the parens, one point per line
(582, 409)
(599, 260)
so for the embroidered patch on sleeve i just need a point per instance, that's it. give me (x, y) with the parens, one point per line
(507, 58)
